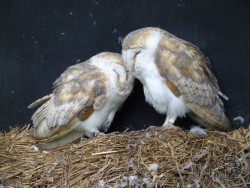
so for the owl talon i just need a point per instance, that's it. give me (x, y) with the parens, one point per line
(101, 134)
(171, 127)
(169, 123)
(98, 133)
(152, 128)
(248, 135)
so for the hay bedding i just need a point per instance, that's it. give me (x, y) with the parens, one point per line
(148, 158)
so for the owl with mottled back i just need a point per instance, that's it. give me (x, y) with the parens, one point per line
(176, 77)
(84, 102)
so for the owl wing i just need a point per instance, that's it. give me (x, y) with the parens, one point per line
(77, 93)
(187, 74)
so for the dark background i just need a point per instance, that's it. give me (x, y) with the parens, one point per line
(40, 39)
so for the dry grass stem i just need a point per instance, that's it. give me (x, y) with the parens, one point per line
(123, 160)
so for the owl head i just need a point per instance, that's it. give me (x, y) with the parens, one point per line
(142, 40)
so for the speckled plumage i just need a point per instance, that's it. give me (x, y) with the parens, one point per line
(84, 101)
(175, 77)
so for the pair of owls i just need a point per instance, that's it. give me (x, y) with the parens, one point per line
(176, 81)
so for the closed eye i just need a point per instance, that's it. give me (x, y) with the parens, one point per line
(136, 54)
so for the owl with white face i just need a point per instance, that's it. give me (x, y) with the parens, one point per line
(175, 76)
(84, 102)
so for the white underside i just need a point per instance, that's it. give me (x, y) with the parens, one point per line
(154, 85)
(162, 99)
(102, 118)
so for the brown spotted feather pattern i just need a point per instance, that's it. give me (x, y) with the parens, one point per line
(158, 58)
(186, 68)
(75, 95)
(84, 101)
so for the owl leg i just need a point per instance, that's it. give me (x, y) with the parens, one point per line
(105, 126)
(169, 122)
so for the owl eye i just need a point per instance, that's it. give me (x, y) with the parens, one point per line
(136, 54)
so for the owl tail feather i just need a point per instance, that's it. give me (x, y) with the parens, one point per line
(223, 96)
(40, 101)
(70, 137)
(38, 133)
(211, 118)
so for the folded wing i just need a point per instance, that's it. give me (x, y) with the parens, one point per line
(188, 76)
(79, 91)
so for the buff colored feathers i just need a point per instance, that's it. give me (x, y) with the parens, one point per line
(175, 76)
(84, 101)
(176, 81)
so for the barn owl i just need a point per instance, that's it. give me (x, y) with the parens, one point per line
(175, 76)
(84, 101)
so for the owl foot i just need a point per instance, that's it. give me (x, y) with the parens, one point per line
(98, 133)
(171, 127)
(152, 128)
(92, 133)
(248, 135)
(169, 123)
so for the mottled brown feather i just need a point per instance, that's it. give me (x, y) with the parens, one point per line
(63, 130)
(85, 113)
(208, 117)
(186, 71)
(77, 93)
(174, 89)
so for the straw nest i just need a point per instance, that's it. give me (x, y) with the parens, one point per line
(148, 158)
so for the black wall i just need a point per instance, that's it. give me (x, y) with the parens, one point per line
(40, 39)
